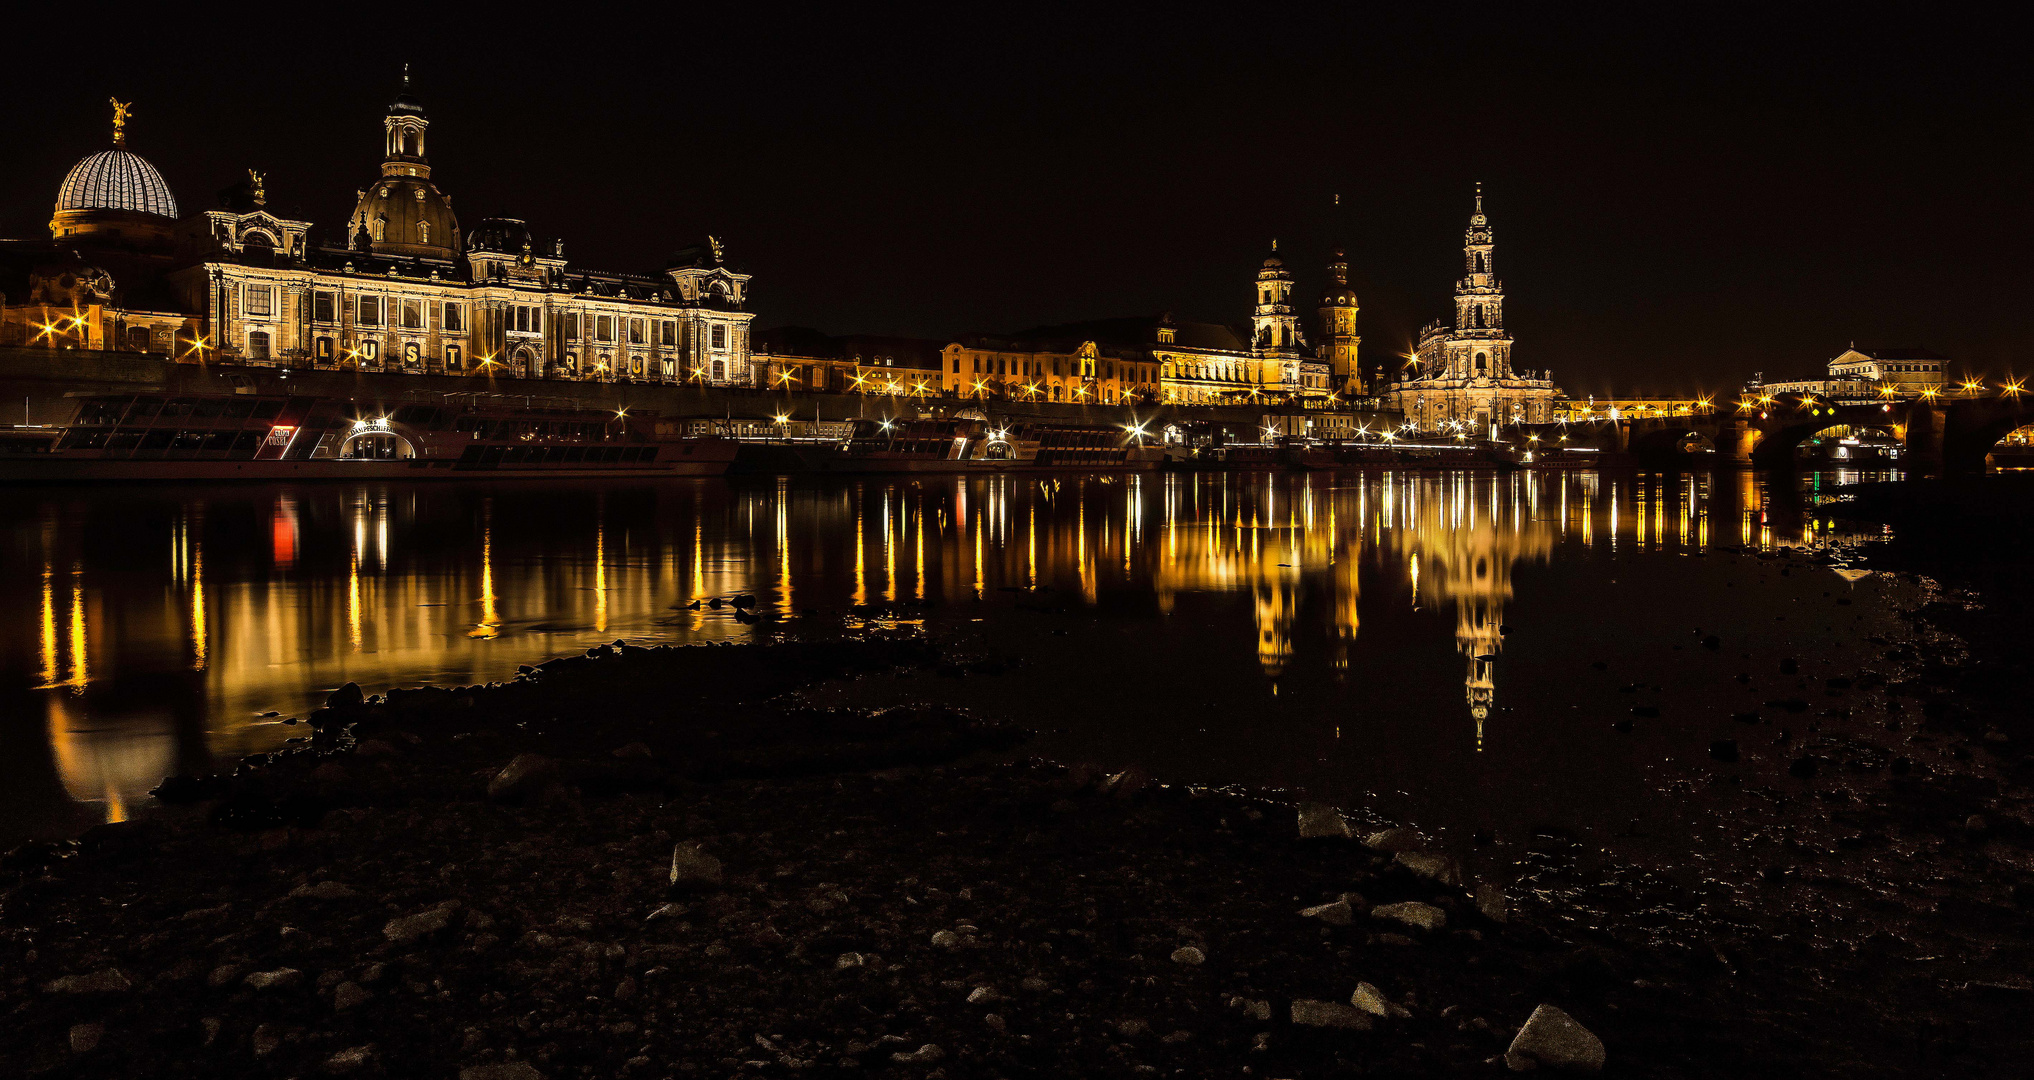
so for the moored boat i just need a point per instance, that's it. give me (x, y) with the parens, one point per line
(124, 437)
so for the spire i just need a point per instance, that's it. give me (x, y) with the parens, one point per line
(1478, 218)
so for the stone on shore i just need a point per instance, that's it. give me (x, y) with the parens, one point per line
(1372, 1000)
(1338, 913)
(694, 868)
(85, 1037)
(279, 979)
(104, 981)
(1412, 913)
(1308, 1013)
(1490, 902)
(1445, 869)
(348, 994)
(1189, 956)
(1319, 821)
(1553, 1039)
(350, 1060)
(514, 1070)
(410, 928)
(523, 779)
(1393, 841)
(323, 890)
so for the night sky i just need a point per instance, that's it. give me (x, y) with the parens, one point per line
(1678, 203)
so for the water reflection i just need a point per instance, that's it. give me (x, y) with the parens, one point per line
(165, 622)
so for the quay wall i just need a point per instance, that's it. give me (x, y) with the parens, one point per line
(39, 386)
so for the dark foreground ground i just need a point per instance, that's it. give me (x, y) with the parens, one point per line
(877, 895)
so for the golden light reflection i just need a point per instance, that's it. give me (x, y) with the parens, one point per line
(198, 608)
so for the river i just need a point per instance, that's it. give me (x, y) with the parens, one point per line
(1450, 648)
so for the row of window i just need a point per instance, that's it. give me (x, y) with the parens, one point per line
(367, 310)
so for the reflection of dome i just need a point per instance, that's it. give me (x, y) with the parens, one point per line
(116, 180)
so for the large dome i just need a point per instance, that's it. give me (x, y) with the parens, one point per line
(116, 180)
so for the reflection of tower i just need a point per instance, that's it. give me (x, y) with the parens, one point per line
(1472, 539)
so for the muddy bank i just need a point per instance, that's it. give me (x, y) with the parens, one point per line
(480, 882)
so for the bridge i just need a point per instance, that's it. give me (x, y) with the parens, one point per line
(1950, 435)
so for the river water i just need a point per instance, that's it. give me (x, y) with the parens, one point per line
(1446, 648)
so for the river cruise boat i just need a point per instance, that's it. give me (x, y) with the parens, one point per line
(952, 445)
(125, 437)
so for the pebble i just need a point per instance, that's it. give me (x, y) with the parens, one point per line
(1308, 1013)
(514, 1070)
(1490, 902)
(1338, 913)
(1188, 955)
(522, 779)
(279, 979)
(85, 1037)
(323, 890)
(103, 981)
(348, 994)
(409, 928)
(1553, 1039)
(924, 1055)
(1412, 913)
(945, 939)
(352, 1059)
(1370, 999)
(266, 1039)
(692, 867)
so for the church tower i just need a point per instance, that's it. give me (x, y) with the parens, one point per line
(1274, 327)
(1479, 347)
(404, 213)
(1338, 329)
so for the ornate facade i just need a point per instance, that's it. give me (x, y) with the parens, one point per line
(404, 288)
(1463, 377)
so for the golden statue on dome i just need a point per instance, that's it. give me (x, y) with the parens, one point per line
(120, 111)
(254, 188)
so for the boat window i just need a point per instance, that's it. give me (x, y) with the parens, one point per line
(124, 439)
(219, 440)
(240, 409)
(267, 409)
(187, 440)
(102, 410)
(159, 439)
(208, 409)
(178, 407)
(247, 442)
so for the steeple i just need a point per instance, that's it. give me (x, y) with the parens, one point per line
(1339, 339)
(1479, 348)
(1274, 327)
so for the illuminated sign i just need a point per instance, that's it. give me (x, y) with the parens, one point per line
(281, 434)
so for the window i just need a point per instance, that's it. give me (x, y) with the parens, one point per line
(603, 328)
(719, 342)
(635, 331)
(257, 345)
(455, 319)
(322, 307)
(423, 228)
(956, 365)
(371, 310)
(536, 320)
(378, 227)
(667, 333)
(260, 300)
(413, 315)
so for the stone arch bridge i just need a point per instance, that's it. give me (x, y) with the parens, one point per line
(1949, 435)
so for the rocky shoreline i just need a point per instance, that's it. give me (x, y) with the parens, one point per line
(662, 862)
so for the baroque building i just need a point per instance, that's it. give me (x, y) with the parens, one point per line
(403, 288)
(1462, 377)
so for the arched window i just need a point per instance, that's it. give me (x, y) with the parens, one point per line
(1482, 364)
(378, 227)
(423, 232)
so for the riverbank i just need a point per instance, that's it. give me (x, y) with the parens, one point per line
(479, 882)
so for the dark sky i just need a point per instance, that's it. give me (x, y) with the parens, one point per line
(1679, 201)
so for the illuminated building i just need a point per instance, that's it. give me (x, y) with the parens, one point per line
(1871, 375)
(1339, 339)
(402, 287)
(1463, 376)
(800, 358)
